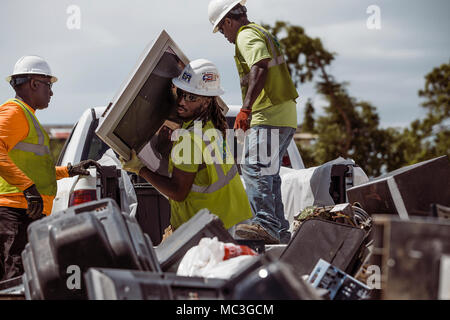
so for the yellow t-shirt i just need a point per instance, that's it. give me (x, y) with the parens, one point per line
(229, 202)
(253, 48)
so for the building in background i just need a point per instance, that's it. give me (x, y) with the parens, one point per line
(58, 135)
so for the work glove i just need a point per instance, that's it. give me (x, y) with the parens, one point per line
(133, 165)
(34, 202)
(81, 168)
(242, 120)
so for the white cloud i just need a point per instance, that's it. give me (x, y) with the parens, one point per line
(92, 62)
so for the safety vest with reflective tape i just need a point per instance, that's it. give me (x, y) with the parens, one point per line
(279, 86)
(217, 186)
(32, 156)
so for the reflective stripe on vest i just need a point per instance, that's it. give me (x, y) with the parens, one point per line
(39, 149)
(278, 86)
(223, 179)
(277, 59)
(32, 156)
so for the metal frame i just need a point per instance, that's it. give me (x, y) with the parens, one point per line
(130, 89)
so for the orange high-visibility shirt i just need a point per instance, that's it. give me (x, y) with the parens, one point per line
(13, 129)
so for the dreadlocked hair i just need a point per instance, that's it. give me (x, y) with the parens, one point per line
(214, 113)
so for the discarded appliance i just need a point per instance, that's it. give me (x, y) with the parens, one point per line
(109, 183)
(257, 245)
(413, 256)
(203, 225)
(12, 289)
(340, 285)
(247, 268)
(344, 213)
(409, 191)
(439, 211)
(114, 284)
(276, 250)
(148, 91)
(275, 281)
(341, 244)
(67, 243)
(324, 185)
(153, 212)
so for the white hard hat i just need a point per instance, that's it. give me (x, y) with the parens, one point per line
(218, 9)
(200, 77)
(32, 65)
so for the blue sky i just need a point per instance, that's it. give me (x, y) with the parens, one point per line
(385, 67)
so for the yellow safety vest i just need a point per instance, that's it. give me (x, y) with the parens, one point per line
(32, 156)
(217, 186)
(279, 86)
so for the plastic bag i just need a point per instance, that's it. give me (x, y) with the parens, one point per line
(214, 259)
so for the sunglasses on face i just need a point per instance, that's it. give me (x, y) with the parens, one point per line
(188, 97)
(49, 84)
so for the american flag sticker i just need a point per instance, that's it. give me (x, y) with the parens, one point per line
(209, 77)
(186, 77)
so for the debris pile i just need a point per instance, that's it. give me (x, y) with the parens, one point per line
(382, 244)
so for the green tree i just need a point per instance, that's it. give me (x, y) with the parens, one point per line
(426, 138)
(349, 128)
(435, 128)
(437, 93)
(308, 126)
(308, 120)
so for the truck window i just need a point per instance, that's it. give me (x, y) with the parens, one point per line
(96, 148)
(63, 151)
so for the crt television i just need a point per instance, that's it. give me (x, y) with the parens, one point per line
(146, 103)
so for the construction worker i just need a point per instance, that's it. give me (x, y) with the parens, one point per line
(27, 172)
(269, 109)
(199, 179)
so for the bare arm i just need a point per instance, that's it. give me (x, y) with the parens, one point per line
(176, 188)
(256, 82)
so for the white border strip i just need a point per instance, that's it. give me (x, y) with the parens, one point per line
(397, 199)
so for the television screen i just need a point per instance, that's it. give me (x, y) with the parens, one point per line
(154, 104)
(145, 102)
(143, 115)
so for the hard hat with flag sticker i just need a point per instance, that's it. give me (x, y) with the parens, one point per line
(32, 65)
(200, 77)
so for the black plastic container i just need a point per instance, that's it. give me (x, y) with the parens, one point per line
(114, 284)
(94, 234)
(202, 225)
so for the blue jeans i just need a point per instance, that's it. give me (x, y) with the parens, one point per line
(264, 151)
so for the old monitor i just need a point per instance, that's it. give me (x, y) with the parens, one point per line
(146, 103)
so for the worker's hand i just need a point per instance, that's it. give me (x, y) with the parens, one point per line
(164, 143)
(34, 201)
(81, 168)
(242, 120)
(133, 165)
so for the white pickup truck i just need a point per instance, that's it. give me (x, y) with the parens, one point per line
(153, 210)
